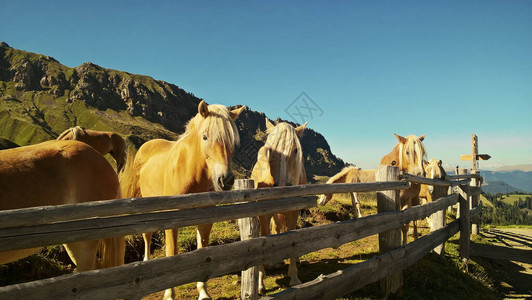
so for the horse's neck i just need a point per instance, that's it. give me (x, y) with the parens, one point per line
(188, 166)
(395, 155)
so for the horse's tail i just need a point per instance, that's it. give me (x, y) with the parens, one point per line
(119, 151)
(112, 252)
(129, 178)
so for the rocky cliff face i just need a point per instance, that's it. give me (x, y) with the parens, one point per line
(39, 98)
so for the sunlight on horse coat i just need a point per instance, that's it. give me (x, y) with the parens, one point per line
(350, 174)
(199, 161)
(55, 173)
(104, 142)
(408, 154)
(280, 163)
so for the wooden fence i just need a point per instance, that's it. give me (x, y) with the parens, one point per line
(42, 226)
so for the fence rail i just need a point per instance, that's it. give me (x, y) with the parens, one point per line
(134, 280)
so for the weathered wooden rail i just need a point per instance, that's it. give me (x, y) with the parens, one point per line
(42, 226)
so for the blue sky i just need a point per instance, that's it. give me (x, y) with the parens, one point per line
(446, 69)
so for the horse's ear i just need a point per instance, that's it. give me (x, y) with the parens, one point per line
(421, 138)
(269, 125)
(300, 129)
(203, 109)
(440, 163)
(401, 139)
(236, 112)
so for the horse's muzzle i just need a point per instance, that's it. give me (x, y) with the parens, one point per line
(226, 182)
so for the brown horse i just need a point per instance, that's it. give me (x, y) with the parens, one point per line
(55, 173)
(408, 154)
(350, 174)
(433, 169)
(103, 141)
(280, 163)
(199, 161)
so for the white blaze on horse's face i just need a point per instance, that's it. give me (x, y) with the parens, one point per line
(411, 154)
(218, 137)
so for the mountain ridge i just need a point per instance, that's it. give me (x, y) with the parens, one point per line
(40, 97)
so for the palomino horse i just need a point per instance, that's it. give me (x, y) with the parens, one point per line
(199, 161)
(280, 163)
(433, 169)
(350, 174)
(55, 173)
(408, 155)
(104, 142)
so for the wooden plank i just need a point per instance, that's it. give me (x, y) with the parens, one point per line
(335, 285)
(99, 209)
(462, 176)
(420, 247)
(90, 229)
(465, 230)
(422, 211)
(425, 180)
(466, 157)
(249, 228)
(138, 279)
(387, 201)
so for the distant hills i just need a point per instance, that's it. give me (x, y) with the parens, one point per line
(523, 168)
(40, 98)
(518, 181)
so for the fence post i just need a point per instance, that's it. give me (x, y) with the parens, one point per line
(249, 228)
(465, 229)
(391, 285)
(461, 171)
(438, 218)
(474, 203)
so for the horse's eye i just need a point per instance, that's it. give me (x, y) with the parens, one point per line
(204, 137)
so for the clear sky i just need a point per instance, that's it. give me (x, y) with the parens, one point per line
(446, 69)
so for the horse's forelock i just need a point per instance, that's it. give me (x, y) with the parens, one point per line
(218, 125)
(283, 139)
(414, 146)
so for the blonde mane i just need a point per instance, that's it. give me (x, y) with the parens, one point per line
(412, 145)
(218, 125)
(342, 173)
(75, 131)
(283, 139)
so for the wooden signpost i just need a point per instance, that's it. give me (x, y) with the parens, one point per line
(474, 201)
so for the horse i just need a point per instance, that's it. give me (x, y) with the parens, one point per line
(433, 169)
(408, 154)
(61, 172)
(280, 163)
(103, 141)
(350, 174)
(199, 161)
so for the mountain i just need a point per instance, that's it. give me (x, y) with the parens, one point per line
(40, 98)
(494, 187)
(523, 168)
(518, 179)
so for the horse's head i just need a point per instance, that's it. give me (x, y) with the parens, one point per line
(434, 169)
(410, 154)
(285, 155)
(217, 135)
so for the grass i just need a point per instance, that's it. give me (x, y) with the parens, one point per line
(511, 199)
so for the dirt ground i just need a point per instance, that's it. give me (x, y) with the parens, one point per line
(509, 260)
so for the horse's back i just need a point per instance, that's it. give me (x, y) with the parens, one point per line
(54, 172)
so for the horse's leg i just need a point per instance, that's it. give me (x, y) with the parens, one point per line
(147, 244)
(170, 237)
(291, 224)
(356, 204)
(83, 254)
(264, 222)
(204, 231)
